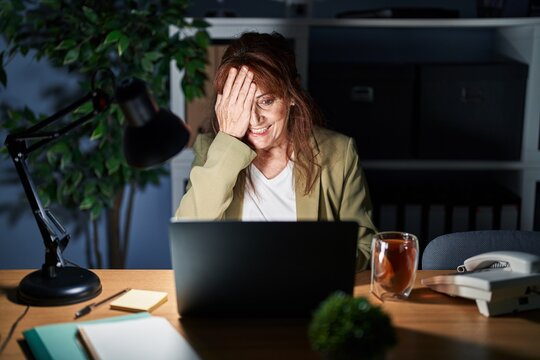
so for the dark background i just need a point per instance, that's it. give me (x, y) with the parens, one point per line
(21, 245)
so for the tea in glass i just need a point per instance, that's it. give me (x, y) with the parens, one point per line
(394, 259)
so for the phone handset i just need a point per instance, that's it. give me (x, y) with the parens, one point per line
(513, 260)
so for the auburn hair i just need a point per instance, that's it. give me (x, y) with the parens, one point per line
(272, 61)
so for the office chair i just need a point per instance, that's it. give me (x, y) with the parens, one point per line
(450, 250)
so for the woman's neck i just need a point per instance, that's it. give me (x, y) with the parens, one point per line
(271, 162)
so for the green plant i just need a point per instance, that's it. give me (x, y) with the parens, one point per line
(86, 169)
(350, 328)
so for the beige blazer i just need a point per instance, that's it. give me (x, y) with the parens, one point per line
(340, 191)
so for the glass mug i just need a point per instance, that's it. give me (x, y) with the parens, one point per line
(394, 259)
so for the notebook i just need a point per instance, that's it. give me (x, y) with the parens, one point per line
(146, 338)
(60, 341)
(264, 269)
(139, 300)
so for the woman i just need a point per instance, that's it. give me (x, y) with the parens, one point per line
(267, 159)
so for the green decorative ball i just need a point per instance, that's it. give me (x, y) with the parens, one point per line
(345, 327)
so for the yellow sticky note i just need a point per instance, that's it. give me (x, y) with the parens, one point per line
(139, 300)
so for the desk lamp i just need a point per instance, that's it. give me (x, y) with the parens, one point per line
(151, 136)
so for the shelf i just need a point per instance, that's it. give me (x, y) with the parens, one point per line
(374, 23)
(447, 165)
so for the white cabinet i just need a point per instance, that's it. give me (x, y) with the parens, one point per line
(516, 38)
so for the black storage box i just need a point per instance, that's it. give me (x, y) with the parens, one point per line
(471, 111)
(373, 103)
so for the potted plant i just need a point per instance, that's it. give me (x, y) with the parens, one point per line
(344, 327)
(86, 169)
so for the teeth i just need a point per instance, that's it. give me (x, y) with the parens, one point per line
(259, 131)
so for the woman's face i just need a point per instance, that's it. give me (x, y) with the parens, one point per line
(268, 123)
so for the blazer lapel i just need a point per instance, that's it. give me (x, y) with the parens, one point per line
(307, 206)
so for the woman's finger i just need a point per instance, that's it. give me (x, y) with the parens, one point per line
(238, 82)
(229, 82)
(250, 98)
(244, 90)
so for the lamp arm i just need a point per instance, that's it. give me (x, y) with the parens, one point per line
(100, 102)
(55, 237)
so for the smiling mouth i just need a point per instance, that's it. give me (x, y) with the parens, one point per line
(260, 131)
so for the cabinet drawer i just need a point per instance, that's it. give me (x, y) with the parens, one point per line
(471, 111)
(373, 103)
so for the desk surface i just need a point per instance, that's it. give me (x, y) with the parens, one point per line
(428, 324)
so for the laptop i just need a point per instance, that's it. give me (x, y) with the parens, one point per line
(260, 269)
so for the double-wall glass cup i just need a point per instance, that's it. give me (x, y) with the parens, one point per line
(394, 260)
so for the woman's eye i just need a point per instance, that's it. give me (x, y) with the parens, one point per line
(266, 102)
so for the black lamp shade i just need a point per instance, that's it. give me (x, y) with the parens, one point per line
(156, 141)
(152, 135)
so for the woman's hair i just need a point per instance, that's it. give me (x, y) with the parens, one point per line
(272, 61)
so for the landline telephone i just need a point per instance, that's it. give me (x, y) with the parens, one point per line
(501, 282)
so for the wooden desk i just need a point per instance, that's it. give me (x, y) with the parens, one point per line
(429, 325)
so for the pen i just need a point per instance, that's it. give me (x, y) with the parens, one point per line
(87, 309)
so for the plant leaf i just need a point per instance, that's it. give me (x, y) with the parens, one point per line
(112, 37)
(89, 189)
(98, 169)
(147, 65)
(95, 213)
(98, 131)
(101, 47)
(112, 164)
(77, 178)
(202, 38)
(66, 160)
(60, 148)
(71, 56)
(87, 202)
(84, 109)
(90, 14)
(51, 157)
(66, 44)
(123, 44)
(106, 189)
(153, 55)
(199, 23)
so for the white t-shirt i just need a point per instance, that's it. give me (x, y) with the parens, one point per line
(273, 200)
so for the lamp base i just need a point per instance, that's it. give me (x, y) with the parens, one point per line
(70, 286)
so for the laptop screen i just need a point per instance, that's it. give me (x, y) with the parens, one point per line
(266, 269)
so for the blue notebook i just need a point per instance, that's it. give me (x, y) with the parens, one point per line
(60, 341)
